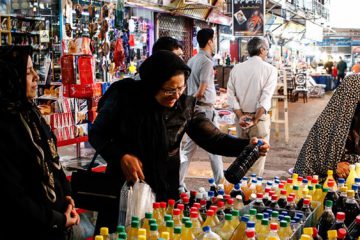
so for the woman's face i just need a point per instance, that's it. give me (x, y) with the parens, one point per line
(171, 91)
(31, 80)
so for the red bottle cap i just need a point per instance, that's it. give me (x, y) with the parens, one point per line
(314, 181)
(341, 233)
(197, 205)
(180, 206)
(171, 202)
(300, 179)
(176, 211)
(183, 195)
(185, 200)
(194, 215)
(259, 195)
(331, 183)
(163, 204)
(250, 233)
(202, 201)
(274, 197)
(267, 190)
(289, 180)
(214, 208)
(306, 201)
(156, 205)
(290, 198)
(357, 220)
(230, 201)
(193, 209)
(193, 193)
(281, 185)
(293, 195)
(220, 204)
(309, 178)
(340, 216)
(273, 226)
(315, 232)
(210, 213)
(283, 192)
(226, 196)
(271, 193)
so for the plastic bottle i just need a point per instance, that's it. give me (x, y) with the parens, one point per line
(259, 218)
(154, 234)
(299, 204)
(133, 231)
(350, 180)
(341, 234)
(326, 220)
(142, 232)
(104, 232)
(119, 229)
(330, 176)
(289, 186)
(181, 207)
(99, 237)
(355, 228)
(122, 236)
(340, 221)
(273, 231)
(209, 221)
(259, 204)
(318, 193)
(162, 227)
(240, 230)
(210, 235)
(332, 235)
(165, 235)
(275, 218)
(309, 232)
(213, 186)
(227, 229)
(305, 237)
(187, 233)
(264, 230)
(250, 234)
(306, 207)
(295, 177)
(290, 206)
(352, 208)
(229, 206)
(238, 169)
(235, 218)
(274, 202)
(196, 225)
(215, 217)
(340, 203)
(177, 233)
(170, 228)
(220, 211)
(237, 191)
(356, 193)
(282, 199)
(341, 182)
(283, 233)
(288, 228)
(209, 199)
(170, 207)
(176, 218)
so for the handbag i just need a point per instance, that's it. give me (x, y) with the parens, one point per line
(94, 191)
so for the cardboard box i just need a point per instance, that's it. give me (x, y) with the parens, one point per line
(85, 90)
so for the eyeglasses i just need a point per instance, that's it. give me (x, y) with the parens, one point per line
(172, 92)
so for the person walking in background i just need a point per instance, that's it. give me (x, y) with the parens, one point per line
(341, 68)
(250, 88)
(35, 192)
(201, 86)
(329, 65)
(170, 44)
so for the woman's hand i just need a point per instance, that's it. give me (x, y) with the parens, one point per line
(263, 148)
(343, 169)
(71, 201)
(72, 217)
(132, 168)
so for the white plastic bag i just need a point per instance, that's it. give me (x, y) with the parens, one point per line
(135, 200)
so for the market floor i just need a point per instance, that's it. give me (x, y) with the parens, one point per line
(280, 159)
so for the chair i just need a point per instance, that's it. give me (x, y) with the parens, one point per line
(316, 90)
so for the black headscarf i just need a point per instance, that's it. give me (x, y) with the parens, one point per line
(324, 147)
(159, 68)
(13, 64)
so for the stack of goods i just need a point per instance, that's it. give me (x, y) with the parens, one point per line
(256, 209)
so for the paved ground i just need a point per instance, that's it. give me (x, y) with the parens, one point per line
(281, 157)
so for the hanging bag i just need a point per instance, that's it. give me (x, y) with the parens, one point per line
(93, 190)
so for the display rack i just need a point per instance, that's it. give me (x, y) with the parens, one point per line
(278, 108)
(76, 141)
(5, 29)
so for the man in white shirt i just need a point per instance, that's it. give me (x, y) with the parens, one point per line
(250, 88)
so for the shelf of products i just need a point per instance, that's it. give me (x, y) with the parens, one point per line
(72, 141)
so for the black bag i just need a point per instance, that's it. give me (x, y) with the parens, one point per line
(94, 190)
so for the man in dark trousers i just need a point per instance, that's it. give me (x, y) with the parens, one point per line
(341, 67)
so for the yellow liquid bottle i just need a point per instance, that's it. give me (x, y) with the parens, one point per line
(162, 227)
(99, 237)
(289, 186)
(273, 231)
(187, 234)
(142, 232)
(259, 218)
(330, 176)
(235, 220)
(305, 237)
(133, 231)
(196, 225)
(157, 213)
(283, 232)
(228, 229)
(350, 180)
(177, 218)
(154, 234)
(209, 221)
(146, 224)
(309, 232)
(332, 235)
(288, 228)
(170, 207)
(295, 177)
(239, 233)
(177, 233)
(264, 230)
(165, 235)
(104, 231)
(357, 169)
(170, 228)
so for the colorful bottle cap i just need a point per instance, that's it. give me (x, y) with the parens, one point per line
(265, 222)
(273, 226)
(235, 212)
(340, 216)
(180, 206)
(162, 204)
(142, 231)
(250, 224)
(228, 217)
(341, 233)
(167, 217)
(259, 216)
(104, 231)
(170, 223)
(250, 233)
(177, 230)
(329, 203)
(120, 229)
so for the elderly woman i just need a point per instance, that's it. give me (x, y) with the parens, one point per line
(333, 141)
(35, 195)
(140, 126)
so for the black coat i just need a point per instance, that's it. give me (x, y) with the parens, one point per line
(130, 121)
(25, 209)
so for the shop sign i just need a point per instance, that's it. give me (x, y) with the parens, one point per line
(248, 17)
(44, 36)
(335, 42)
(355, 41)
